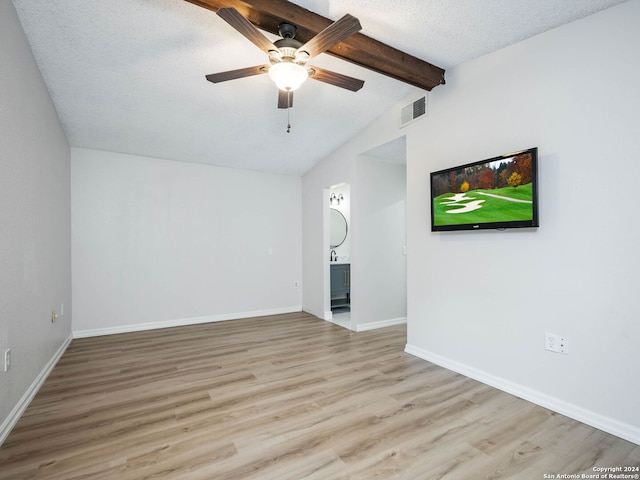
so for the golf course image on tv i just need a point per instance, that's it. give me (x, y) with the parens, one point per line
(499, 192)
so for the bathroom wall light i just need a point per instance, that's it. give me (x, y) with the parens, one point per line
(333, 200)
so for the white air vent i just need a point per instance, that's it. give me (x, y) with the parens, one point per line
(413, 111)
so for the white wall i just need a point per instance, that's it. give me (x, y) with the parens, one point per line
(35, 258)
(480, 302)
(380, 285)
(158, 242)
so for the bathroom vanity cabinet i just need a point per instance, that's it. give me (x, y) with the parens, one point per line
(340, 285)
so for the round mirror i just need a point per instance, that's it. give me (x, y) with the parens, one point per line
(338, 228)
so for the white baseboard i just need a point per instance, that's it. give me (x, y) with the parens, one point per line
(363, 327)
(596, 420)
(96, 332)
(24, 402)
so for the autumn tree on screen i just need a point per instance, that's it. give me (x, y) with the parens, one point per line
(523, 165)
(486, 179)
(515, 179)
(453, 181)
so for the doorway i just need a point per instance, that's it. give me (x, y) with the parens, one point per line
(340, 254)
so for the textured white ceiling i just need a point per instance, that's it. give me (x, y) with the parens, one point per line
(128, 75)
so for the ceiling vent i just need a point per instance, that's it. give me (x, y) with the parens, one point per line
(413, 111)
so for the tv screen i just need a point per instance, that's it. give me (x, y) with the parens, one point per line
(496, 193)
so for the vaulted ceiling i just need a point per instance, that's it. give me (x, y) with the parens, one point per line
(129, 75)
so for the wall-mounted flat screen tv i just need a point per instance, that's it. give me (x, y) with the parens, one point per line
(496, 193)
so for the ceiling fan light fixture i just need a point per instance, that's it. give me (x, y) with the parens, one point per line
(288, 76)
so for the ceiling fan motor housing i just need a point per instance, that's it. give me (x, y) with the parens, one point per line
(287, 50)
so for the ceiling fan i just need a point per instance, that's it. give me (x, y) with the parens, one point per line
(288, 57)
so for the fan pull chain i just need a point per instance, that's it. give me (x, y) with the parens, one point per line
(288, 110)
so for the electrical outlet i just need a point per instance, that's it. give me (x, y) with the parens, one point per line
(54, 316)
(7, 359)
(296, 284)
(551, 342)
(556, 343)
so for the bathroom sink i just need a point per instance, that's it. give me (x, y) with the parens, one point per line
(342, 259)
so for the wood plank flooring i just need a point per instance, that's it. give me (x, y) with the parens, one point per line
(286, 397)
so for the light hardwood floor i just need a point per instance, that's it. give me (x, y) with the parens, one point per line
(285, 397)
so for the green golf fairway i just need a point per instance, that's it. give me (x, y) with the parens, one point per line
(491, 209)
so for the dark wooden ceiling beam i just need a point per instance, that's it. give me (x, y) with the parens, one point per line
(359, 49)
